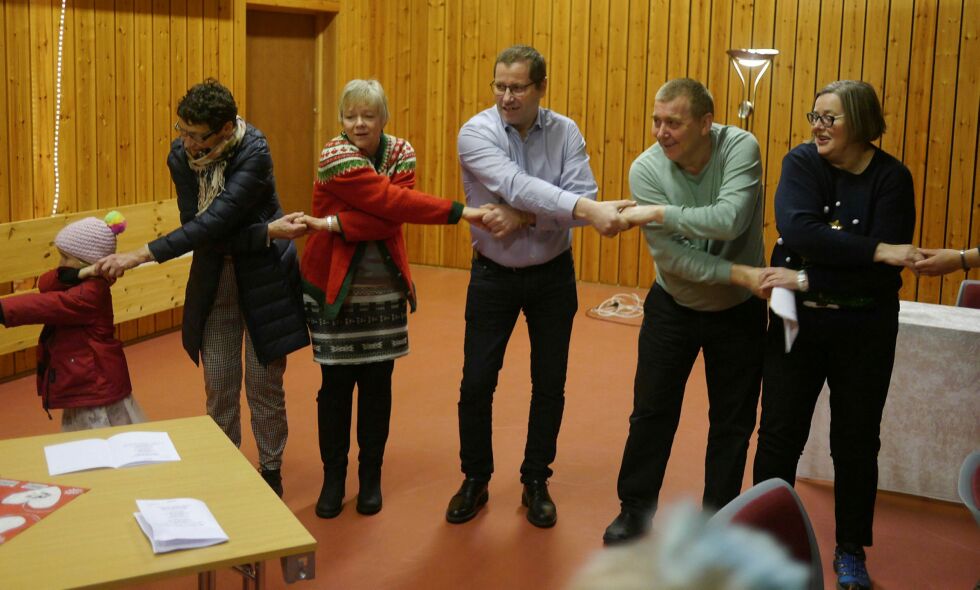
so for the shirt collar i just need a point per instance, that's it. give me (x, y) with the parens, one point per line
(538, 121)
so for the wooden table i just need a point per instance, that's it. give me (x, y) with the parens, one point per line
(94, 540)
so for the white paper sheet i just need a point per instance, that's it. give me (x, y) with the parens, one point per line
(178, 523)
(783, 303)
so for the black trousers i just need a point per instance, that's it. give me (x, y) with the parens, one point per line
(547, 296)
(853, 351)
(670, 338)
(334, 409)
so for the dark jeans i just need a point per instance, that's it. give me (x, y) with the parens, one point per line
(854, 352)
(670, 338)
(496, 296)
(334, 401)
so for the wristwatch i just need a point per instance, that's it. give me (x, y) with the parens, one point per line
(802, 283)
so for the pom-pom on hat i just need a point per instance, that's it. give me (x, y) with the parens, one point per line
(91, 238)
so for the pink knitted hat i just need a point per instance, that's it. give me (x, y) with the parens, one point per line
(91, 238)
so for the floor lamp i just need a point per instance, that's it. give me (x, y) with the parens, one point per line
(745, 61)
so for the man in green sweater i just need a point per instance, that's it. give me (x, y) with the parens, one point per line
(699, 195)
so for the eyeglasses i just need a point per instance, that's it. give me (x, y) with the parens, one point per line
(516, 90)
(194, 136)
(826, 120)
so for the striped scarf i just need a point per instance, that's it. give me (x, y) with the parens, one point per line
(210, 167)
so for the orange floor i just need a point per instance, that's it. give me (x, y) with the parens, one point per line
(920, 544)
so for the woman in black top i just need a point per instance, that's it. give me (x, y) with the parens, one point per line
(845, 211)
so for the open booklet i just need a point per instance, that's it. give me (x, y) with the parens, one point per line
(179, 523)
(122, 450)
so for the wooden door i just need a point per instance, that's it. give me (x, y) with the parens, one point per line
(280, 61)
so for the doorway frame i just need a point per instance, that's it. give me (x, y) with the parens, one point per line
(324, 61)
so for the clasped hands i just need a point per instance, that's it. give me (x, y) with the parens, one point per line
(499, 219)
(761, 281)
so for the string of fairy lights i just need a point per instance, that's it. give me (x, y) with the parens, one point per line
(57, 107)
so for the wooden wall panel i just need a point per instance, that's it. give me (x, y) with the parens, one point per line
(962, 190)
(127, 62)
(124, 65)
(636, 132)
(934, 212)
(763, 35)
(611, 185)
(5, 145)
(892, 44)
(597, 106)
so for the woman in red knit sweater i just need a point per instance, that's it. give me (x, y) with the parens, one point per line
(358, 286)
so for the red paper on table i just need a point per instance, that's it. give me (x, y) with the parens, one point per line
(24, 503)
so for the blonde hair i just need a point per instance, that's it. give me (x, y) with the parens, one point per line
(367, 92)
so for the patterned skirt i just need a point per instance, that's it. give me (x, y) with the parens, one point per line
(372, 326)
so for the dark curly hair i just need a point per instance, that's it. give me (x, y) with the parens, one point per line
(208, 102)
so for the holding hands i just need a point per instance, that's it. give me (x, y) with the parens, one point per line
(898, 254)
(644, 214)
(606, 216)
(115, 265)
(935, 262)
(501, 219)
(289, 226)
(753, 279)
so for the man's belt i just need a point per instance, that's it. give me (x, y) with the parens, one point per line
(835, 301)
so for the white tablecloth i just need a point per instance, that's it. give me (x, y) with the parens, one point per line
(931, 420)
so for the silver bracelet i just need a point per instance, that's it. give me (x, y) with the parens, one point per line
(963, 263)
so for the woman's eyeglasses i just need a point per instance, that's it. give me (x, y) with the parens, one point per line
(826, 120)
(194, 136)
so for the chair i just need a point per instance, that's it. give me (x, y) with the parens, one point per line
(969, 294)
(969, 485)
(773, 507)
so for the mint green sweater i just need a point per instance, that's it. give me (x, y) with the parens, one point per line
(712, 220)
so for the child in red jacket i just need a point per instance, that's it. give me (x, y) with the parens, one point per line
(81, 367)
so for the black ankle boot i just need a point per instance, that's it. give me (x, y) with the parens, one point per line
(331, 500)
(369, 495)
(273, 477)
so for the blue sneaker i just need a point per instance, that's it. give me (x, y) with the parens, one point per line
(852, 574)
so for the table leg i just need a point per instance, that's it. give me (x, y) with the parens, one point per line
(207, 580)
(253, 575)
(298, 567)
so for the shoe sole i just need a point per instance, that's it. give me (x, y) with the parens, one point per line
(608, 540)
(328, 514)
(480, 503)
(368, 511)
